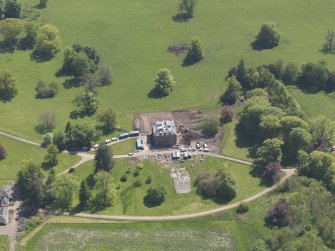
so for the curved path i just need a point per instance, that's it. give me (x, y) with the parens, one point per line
(288, 173)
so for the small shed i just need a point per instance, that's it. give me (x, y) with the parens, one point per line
(3, 215)
(139, 144)
(4, 197)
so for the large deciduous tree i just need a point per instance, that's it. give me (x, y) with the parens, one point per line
(233, 91)
(103, 185)
(51, 158)
(164, 82)
(155, 196)
(10, 29)
(270, 151)
(268, 37)
(48, 41)
(87, 103)
(104, 159)
(107, 120)
(186, 9)
(64, 190)
(7, 86)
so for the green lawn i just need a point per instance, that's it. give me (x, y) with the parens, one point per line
(19, 154)
(4, 243)
(133, 36)
(129, 200)
(124, 147)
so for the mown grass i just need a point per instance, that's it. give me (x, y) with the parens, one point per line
(133, 38)
(4, 243)
(129, 200)
(124, 147)
(19, 154)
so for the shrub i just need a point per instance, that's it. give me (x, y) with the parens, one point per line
(155, 196)
(128, 171)
(268, 37)
(242, 208)
(3, 153)
(136, 172)
(210, 128)
(272, 172)
(148, 180)
(46, 91)
(124, 178)
(226, 115)
(277, 216)
(48, 139)
(137, 183)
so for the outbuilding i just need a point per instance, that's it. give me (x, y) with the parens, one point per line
(3, 215)
(139, 144)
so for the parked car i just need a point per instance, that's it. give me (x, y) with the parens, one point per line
(96, 146)
(114, 139)
(107, 141)
(206, 150)
(86, 148)
(131, 154)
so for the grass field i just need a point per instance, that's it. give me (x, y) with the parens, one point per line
(124, 147)
(239, 232)
(133, 37)
(19, 154)
(4, 243)
(129, 200)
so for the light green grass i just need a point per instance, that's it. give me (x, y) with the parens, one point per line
(124, 147)
(129, 200)
(4, 243)
(133, 37)
(19, 154)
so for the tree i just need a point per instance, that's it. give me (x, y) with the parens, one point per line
(207, 185)
(51, 158)
(30, 185)
(259, 245)
(48, 41)
(47, 121)
(277, 69)
(155, 196)
(299, 138)
(277, 216)
(79, 136)
(59, 141)
(268, 37)
(233, 91)
(323, 131)
(270, 151)
(76, 63)
(107, 119)
(164, 82)
(42, 4)
(269, 126)
(210, 128)
(288, 123)
(3, 153)
(104, 196)
(87, 103)
(105, 75)
(329, 44)
(84, 194)
(10, 29)
(45, 91)
(104, 159)
(12, 9)
(48, 139)
(186, 9)
(7, 86)
(291, 73)
(195, 53)
(64, 190)
(257, 92)
(313, 76)
(226, 115)
(227, 189)
(272, 172)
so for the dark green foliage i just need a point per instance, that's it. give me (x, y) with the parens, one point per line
(86, 103)
(136, 172)
(79, 136)
(7, 86)
(259, 246)
(3, 153)
(242, 208)
(164, 82)
(155, 196)
(207, 185)
(257, 92)
(46, 91)
(185, 9)
(137, 183)
(268, 37)
(107, 120)
(30, 185)
(226, 115)
(270, 151)
(195, 53)
(272, 173)
(51, 158)
(124, 178)
(331, 82)
(12, 9)
(233, 91)
(291, 73)
(148, 180)
(210, 128)
(104, 159)
(227, 189)
(42, 4)
(277, 69)
(84, 194)
(277, 216)
(59, 141)
(313, 76)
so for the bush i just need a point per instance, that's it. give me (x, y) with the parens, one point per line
(268, 37)
(48, 139)
(3, 153)
(128, 171)
(155, 196)
(277, 216)
(136, 172)
(210, 128)
(137, 183)
(124, 178)
(45, 91)
(148, 180)
(242, 208)
(226, 115)
(272, 172)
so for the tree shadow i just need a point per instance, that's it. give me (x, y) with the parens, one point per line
(5, 48)
(38, 58)
(25, 45)
(257, 47)
(155, 94)
(181, 18)
(42, 129)
(189, 61)
(326, 52)
(72, 83)
(242, 138)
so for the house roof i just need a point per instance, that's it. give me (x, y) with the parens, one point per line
(165, 127)
(4, 215)
(4, 197)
